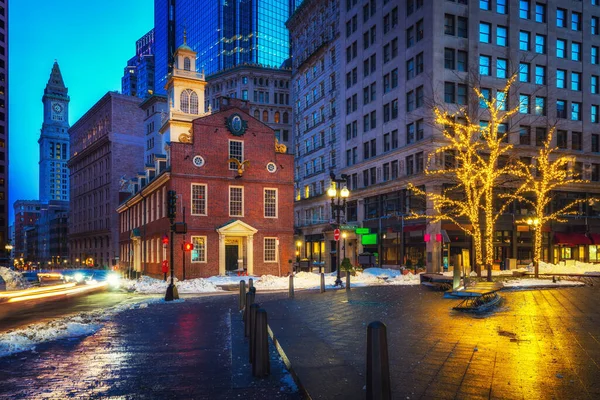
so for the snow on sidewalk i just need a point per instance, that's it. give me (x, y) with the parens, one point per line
(14, 279)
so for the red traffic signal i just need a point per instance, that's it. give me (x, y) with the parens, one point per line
(165, 239)
(187, 246)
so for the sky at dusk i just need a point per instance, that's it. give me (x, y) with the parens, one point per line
(91, 40)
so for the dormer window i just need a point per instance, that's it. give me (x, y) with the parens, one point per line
(189, 101)
(186, 64)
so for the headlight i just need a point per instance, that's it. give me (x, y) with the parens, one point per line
(113, 280)
(78, 277)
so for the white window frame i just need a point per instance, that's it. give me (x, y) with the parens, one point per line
(229, 202)
(199, 261)
(265, 250)
(205, 198)
(233, 166)
(276, 203)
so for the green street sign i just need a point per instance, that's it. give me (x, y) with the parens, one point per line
(363, 231)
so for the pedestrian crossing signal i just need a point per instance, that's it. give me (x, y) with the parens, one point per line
(187, 246)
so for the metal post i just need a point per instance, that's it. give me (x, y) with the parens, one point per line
(322, 282)
(250, 283)
(172, 293)
(378, 366)
(456, 277)
(291, 288)
(347, 281)
(183, 237)
(242, 294)
(249, 301)
(252, 350)
(262, 365)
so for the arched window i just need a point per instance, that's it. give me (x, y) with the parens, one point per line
(186, 64)
(285, 118)
(256, 114)
(189, 101)
(265, 116)
(276, 117)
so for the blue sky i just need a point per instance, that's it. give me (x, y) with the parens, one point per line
(92, 41)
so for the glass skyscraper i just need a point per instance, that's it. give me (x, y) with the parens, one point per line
(223, 33)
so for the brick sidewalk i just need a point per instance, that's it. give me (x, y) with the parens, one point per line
(539, 344)
(189, 350)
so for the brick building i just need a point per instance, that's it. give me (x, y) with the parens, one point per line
(236, 215)
(107, 146)
(27, 213)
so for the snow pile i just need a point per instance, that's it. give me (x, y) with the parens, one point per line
(576, 267)
(14, 280)
(148, 285)
(539, 283)
(83, 324)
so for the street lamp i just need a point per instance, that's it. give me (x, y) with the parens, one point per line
(534, 224)
(344, 236)
(8, 247)
(338, 204)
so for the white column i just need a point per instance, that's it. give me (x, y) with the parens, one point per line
(221, 254)
(250, 248)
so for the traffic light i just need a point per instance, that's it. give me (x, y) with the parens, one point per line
(165, 239)
(172, 204)
(187, 246)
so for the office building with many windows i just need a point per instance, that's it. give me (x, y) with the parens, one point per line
(400, 58)
(223, 34)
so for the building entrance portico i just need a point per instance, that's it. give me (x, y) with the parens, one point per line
(236, 242)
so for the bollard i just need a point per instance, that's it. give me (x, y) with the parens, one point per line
(291, 289)
(322, 282)
(249, 301)
(242, 294)
(262, 365)
(378, 364)
(348, 281)
(252, 324)
(250, 283)
(456, 278)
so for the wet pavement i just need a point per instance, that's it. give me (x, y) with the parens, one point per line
(193, 349)
(540, 344)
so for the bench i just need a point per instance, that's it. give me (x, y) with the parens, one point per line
(480, 297)
(436, 281)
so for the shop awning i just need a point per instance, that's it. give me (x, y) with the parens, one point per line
(413, 228)
(595, 237)
(571, 239)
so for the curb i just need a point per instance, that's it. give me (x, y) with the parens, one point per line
(288, 365)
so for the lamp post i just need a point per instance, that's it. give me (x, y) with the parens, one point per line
(8, 247)
(338, 204)
(298, 246)
(534, 224)
(344, 236)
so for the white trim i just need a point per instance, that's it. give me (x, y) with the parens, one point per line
(205, 198)
(205, 250)
(265, 203)
(265, 250)
(229, 202)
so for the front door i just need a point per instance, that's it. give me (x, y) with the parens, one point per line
(231, 257)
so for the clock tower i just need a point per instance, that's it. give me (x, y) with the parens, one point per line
(54, 140)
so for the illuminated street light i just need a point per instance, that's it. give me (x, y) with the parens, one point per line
(338, 204)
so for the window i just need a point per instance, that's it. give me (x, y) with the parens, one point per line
(501, 7)
(561, 18)
(461, 94)
(594, 114)
(561, 139)
(236, 150)
(501, 102)
(540, 13)
(524, 9)
(502, 36)
(595, 143)
(594, 54)
(485, 98)
(410, 165)
(270, 249)
(410, 69)
(270, 197)
(186, 64)
(410, 133)
(485, 65)
(575, 21)
(501, 68)
(524, 40)
(576, 140)
(463, 27)
(561, 79)
(484, 32)
(484, 4)
(419, 62)
(561, 109)
(576, 81)
(524, 104)
(594, 25)
(575, 111)
(199, 251)
(594, 84)
(449, 27)
(540, 44)
(449, 95)
(540, 106)
(575, 51)
(540, 136)
(524, 135)
(540, 75)
(561, 48)
(189, 101)
(236, 201)
(410, 37)
(198, 199)
(524, 72)
(462, 60)
(449, 61)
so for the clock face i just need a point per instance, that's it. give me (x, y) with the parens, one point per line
(57, 107)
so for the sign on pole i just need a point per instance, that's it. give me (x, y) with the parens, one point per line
(336, 235)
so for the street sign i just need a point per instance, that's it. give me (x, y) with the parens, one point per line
(336, 235)
(363, 231)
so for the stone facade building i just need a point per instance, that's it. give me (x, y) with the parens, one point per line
(238, 214)
(267, 91)
(316, 80)
(107, 147)
(27, 213)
